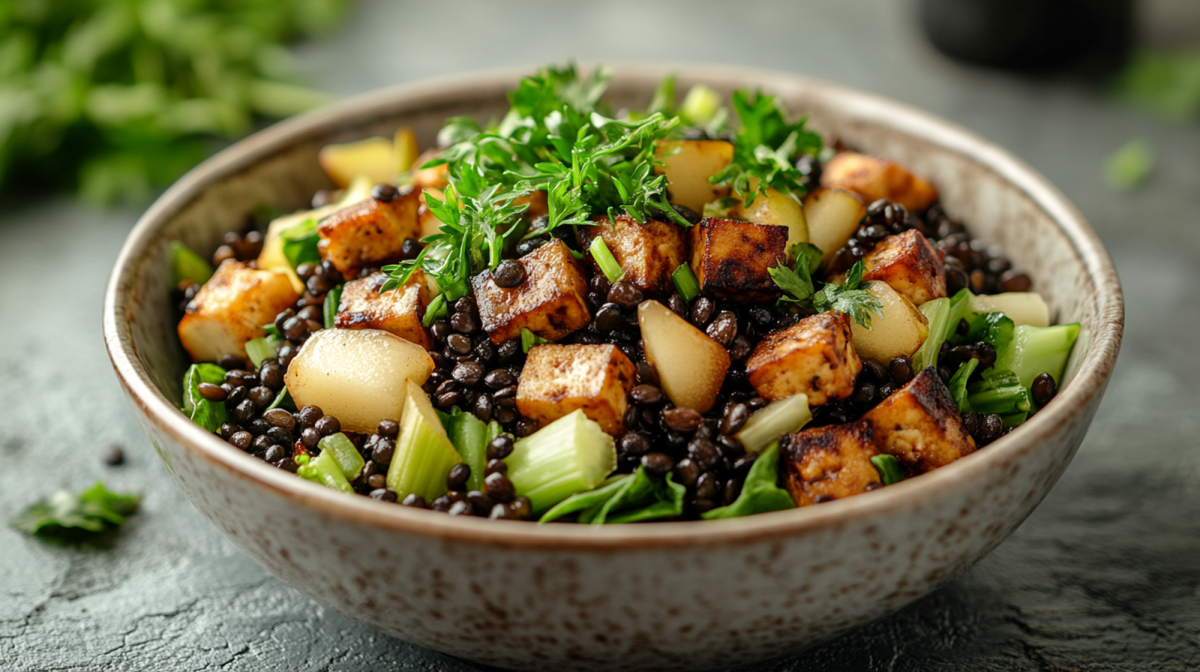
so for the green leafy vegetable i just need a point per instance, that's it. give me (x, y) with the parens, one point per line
(943, 314)
(115, 99)
(94, 510)
(437, 310)
(995, 329)
(300, 243)
(764, 149)
(187, 265)
(958, 384)
(208, 414)
(888, 468)
(1130, 165)
(999, 391)
(630, 498)
(798, 284)
(760, 494)
(849, 298)
(470, 437)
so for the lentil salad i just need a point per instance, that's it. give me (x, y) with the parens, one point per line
(579, 314)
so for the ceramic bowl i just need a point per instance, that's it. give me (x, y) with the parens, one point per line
(653, 596)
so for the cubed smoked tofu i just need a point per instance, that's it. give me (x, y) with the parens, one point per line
(688, 164)
(909, 264)
(538, 202)
(398, 311)
(874, 178)
(549, 301)
(231, 309)
(732, 258)
(648, 253)
(560, 379)
(813, 356)
(827, 463)
(920, 426)
(368, 233)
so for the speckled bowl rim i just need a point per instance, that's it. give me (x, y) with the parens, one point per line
(968, 472)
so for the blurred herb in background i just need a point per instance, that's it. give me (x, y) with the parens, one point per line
(115, 98)
(1166, 83)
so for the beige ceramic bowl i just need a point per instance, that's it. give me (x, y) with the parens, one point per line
(653, 596)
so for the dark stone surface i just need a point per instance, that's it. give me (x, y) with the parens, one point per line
(1104, 576)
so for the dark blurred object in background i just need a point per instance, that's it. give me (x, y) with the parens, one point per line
(1031, 35)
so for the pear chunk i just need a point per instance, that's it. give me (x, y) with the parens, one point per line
(833, 216)
(691, 366)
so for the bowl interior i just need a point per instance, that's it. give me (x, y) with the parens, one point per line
(1002, 201)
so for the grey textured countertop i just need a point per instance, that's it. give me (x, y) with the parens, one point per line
(1105, 575)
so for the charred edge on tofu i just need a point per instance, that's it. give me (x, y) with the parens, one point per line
(478, 373)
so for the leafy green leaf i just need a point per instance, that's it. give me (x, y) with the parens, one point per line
(93, 510)
(208, 414)
(995, 329)
(300, 243)
(629, 498)
(764, 149)
(849, 298)
(761, 492)
(889, 468)
(958, 384)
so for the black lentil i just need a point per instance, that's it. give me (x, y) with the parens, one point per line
(498, 487)
(508, 273)
(1044, 388)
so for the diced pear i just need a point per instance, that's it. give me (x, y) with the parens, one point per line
(356, 375)
(405, 147)
(1027, 308)
(688, 164)
(691, 366)
(900, 331)
(833, 216)
(373, 157)
(778, 208)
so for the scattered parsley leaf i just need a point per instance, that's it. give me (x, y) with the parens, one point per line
(764, 148)
(94, 510)
(849, 298)
(798, 284)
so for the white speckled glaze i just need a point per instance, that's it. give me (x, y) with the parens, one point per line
(655, 596)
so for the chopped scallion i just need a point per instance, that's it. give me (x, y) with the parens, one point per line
(530, 339)
(435, 311)
(187, 265)
(326, 471)
(330, 307)
(344, 452)
(605, 260)
(685, 282)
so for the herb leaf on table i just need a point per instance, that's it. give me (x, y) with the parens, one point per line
(94, 510)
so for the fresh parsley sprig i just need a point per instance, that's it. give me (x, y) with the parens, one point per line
(850, 298)
(764, 148)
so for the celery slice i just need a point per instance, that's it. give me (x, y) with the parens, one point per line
(424, 453)
(344, 453)
(470, 437)
(330, 306)
(326, 471)
(685, 282)
(570, 455)
(1036, 350)
(605, 260)
(775, 420)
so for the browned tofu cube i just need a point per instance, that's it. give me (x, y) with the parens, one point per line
(549, 301)
(874, 178)
(398, 311)
(920, 426)
(429, 178)
(909, 264)
(561, 379)
(231, 309)
(538, 204)
(732, 258)
(827, 463)
(648, 253)
(813, 356)
(368, 233)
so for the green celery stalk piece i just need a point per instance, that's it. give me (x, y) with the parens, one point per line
(944, 315)
(424, 453)
(300, 243)
(1000, 392)
(592, 499)
(958, 384)
(330, 307)
(208, 414)
(343, 451)
(700, 104)
(186, 264)
(326, 471)
(260, 350)
(760, 494)
(570, 455)
(1037, 350)
(995, 329)
(778, 418)
(470, 437)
